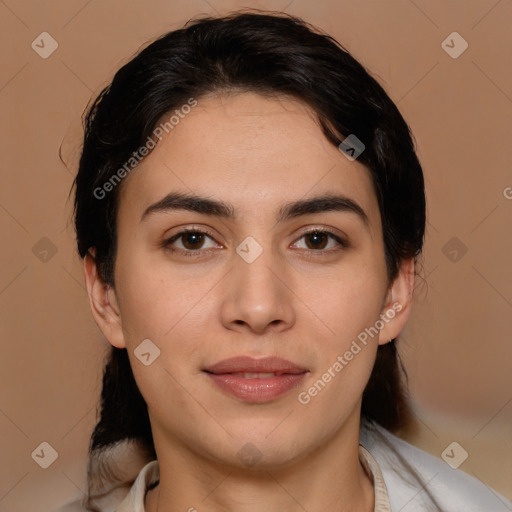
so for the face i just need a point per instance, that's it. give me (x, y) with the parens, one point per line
(281, 267)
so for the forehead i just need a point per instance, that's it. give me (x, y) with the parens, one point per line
(245, 148)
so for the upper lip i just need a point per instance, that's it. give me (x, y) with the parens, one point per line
(248, 364)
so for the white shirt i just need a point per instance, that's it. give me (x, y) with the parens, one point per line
(452, 489)
(385, 458)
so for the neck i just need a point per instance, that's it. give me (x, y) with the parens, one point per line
(332, 478)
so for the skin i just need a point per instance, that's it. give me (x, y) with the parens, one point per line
(306, 306)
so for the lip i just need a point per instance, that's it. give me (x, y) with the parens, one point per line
(253, 365)
(229, 376)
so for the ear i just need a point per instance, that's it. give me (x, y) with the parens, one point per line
(398, 302)
(103, 302)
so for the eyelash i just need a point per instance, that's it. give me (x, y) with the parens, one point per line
(195, 253)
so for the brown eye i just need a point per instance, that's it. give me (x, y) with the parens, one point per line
(316, 240)
(320, 241)
(192, 240)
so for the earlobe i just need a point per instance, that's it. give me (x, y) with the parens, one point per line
(398, 302)
(103, 302)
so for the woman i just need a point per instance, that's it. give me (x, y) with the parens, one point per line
(250, 210)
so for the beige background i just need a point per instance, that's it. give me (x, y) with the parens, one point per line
(457, 347)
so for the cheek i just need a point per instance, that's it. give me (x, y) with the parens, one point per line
(349, 301)
(156, 302)
(350, 305)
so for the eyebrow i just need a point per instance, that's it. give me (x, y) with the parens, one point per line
(217, 208)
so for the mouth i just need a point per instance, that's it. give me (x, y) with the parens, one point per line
(259, 375)
(256, 380)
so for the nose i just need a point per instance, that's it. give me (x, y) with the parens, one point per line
(257, 296)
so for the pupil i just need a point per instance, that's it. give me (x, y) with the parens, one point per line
(318, 239)
(193, 239)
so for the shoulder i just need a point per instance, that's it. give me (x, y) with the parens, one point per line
(417, 481)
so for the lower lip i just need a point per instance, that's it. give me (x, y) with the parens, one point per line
(257, 390)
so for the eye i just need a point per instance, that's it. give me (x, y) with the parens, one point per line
(190, 241)
(193, 242)
(318, 240)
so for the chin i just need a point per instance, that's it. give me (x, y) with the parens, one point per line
(263, 448)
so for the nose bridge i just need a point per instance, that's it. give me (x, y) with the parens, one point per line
(257, 296)
(255, 270)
